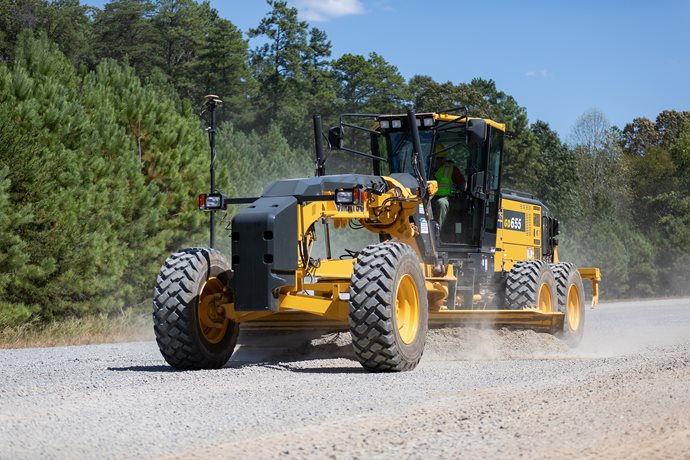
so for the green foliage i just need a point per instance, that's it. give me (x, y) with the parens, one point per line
(368, 85)
(555, 172)
(290, 70)
(624, 255)
(252, 161)
(65, 22)
(127, 25)
(109, 174)
(222, 69)
(14, 259)
(278, 61)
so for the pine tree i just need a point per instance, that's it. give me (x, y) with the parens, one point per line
(125, 32)
(111, 182)
(15, 216)
(290, 70)
(181, 26)
(369, 85)
(222, 69)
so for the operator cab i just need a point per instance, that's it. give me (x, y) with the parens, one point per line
(475, 151)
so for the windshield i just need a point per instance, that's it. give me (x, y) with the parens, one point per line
(453, 146)
(399, 144)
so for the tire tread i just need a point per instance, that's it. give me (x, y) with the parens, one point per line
(174, 301)
(371, 323)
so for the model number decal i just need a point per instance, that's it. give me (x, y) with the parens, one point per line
(513, 220)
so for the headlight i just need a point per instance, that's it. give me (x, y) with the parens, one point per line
(354, 196)
(210, 202)
(385, 124)
(214, 201)
(397, 124)
(428, 121)
(344, 196)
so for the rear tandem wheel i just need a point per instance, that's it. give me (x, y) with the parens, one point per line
(531, 284)
(571, 302)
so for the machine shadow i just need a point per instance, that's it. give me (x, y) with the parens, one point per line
(284, 365)
(298, 359)
(163, 368)
(278, 364)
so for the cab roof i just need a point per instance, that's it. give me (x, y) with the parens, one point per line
(445, 117)
(450, 117)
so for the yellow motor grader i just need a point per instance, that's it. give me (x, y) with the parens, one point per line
(493, 259)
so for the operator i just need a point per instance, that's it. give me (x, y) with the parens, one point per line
(449, 178)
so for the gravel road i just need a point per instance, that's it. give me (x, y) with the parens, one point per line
(625, 393)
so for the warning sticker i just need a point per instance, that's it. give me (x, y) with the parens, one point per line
(423, 226)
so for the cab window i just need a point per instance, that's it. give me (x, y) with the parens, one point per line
(399, 146)
(493, 179)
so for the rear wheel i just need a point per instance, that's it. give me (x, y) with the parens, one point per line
(571, 302)
(189, 321)
(389, 310)
(531, 284)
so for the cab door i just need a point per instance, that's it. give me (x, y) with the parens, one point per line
(492, 187)
(473, 215)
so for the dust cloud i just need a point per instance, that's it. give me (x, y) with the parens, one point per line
(443, 344)
(468, 344)
(611, 330)
(639, 326)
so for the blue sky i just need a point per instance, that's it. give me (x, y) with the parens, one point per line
(558, 59)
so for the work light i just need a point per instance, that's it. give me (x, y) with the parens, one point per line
(210, 202)
(344, 196)
(214, 201)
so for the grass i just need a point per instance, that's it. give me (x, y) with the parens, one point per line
(126, 327)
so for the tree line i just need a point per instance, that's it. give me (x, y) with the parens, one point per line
(102, 153)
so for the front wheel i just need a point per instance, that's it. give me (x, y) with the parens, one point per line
(189, 320)
(389, 311)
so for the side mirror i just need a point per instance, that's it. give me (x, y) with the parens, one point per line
(477, 185)
(335, 137)
(476, 131)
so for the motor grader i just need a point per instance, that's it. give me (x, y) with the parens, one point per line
(494, 260)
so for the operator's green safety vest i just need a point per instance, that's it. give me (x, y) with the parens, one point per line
(444, 177)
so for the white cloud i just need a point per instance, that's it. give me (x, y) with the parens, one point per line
(537, 73)
(324, 10)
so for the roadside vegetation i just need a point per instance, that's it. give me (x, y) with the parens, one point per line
(128, 326)
(102, 153)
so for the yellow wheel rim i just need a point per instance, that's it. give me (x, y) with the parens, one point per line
(213, 324)
(545, 302)
(573, 307)
(407, 309)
